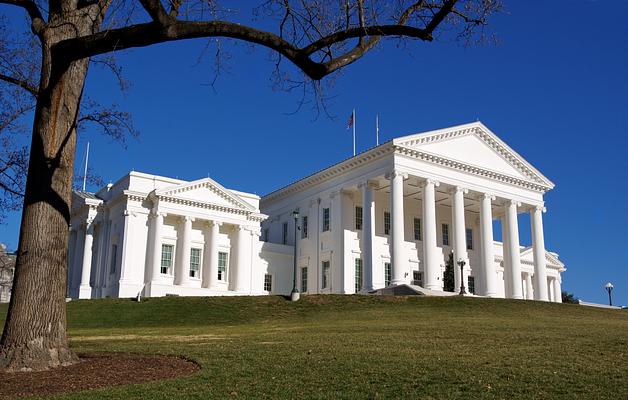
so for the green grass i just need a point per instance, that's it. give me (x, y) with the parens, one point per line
(363, 347)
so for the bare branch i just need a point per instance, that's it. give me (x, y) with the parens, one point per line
(21, 83)
(37, 20)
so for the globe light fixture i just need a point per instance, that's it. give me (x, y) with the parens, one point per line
(461, 264)
(609, 289)
(295, 295)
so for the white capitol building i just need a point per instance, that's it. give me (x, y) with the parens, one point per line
(388, 216)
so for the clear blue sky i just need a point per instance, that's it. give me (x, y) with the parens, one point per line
(555, 89)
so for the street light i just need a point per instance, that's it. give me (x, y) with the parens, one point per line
(294, 296)
(461, 263)
(609, 289)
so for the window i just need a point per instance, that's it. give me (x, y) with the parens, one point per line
(387, 274)
(386, 223)
(166, 258)
(325, 276)
(268, 282)
(303, 227)
(266, 235)
(471, 285)
(358, 274)
(304, 280)
(325, 219)
(445, 235)
(469, 239)
(114, 257)
(417, 229)
(195, 262)
(358, 218)
(222, 266)
(417, 278)
(284, 233)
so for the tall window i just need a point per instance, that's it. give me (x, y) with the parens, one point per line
(304, 280)
(326, 271)
(325, 219)
(387, 274)
(195, 262)
(358, 218)
(268, 282)
(284, 233)
(222, 266)
(386, 223)
(417, 229)
(471, 285)
(166, 258)
(303, 227)
(358, 274)
(445, 235)
(469, 239)
(114, 257)
(266, 235)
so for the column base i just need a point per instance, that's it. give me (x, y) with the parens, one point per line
(398, 282)
(85, 292)
(433, 287)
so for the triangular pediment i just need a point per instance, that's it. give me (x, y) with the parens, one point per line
(474, 144)
(206, 190)
(550, 257)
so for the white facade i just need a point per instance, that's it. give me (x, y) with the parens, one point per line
(392, 215)
(388, 216)
(158, 236)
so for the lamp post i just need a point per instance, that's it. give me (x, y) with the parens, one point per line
(609, 289)
(461, 263)
(294, 295)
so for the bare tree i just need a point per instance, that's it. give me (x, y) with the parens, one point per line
(317, 37)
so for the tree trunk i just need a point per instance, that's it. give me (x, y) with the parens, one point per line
(34, 336)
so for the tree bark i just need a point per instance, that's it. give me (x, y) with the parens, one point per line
(34, 336)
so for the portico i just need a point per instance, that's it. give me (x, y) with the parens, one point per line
(419, 198)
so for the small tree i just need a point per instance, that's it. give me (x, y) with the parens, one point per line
(569, 298)
(448, 278)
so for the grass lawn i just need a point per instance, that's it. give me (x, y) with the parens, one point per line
(363, 347)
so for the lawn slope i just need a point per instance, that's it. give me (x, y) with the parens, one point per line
(363, 347)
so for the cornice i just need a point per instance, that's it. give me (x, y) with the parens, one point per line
(491, 140)
(252, 216)
(469, 168)
(331, 172)
(209, 184)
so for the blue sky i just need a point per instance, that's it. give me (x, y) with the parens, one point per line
(555, 89)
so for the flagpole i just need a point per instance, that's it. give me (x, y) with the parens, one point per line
(376, 130)
(85, 172)
(354, 131)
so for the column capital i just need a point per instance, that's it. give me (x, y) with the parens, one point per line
(483, 196)
(211, 223)
(395, 173)
(429, 181)
(186, 218)
(368, 183)
(510, 202)
(156, 213)
(315, 202)
(538, 208)
(457, 189)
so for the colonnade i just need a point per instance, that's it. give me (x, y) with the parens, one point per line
(432, 255)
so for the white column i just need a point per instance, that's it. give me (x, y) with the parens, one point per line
(399, 260)
(85, 291)
(368, 233)
(210, 255)
(460, 237)
(182, 270)
(529, 289)
(488, 258)
(512, 257)
(538, 250)
(243, 259)
(155, 238)
(558, 293)
(431, 256)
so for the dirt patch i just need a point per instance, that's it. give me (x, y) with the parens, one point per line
(94, 371)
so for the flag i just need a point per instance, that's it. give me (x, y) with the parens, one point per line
(350, 122)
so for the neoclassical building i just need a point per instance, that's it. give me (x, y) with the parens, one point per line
(391, 215)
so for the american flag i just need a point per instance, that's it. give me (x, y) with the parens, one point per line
(350, 122)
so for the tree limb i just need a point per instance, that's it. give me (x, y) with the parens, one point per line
(23, 84)
(37, 20)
